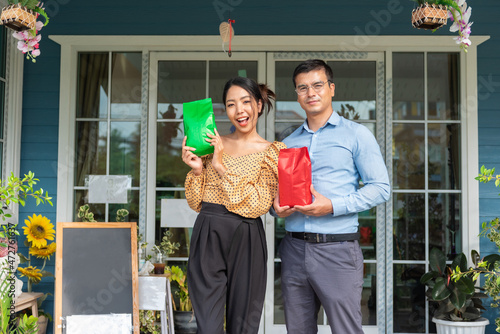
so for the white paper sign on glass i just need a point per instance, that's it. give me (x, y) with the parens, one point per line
(109, 188)
(177, 213)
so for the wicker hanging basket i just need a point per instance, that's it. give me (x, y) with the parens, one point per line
(18, 17)
(429, 16)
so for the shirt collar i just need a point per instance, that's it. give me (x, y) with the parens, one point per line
(333, 120)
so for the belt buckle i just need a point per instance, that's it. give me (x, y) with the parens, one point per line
(317, 237)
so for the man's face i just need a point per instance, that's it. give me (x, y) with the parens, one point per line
(315, 102)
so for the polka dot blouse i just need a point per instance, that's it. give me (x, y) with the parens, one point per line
(247, 188)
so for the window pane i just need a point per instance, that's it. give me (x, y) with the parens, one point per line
(179, 82)
(124, 150)
(132, 206)
(91, 149)
(2, 108)
(170, 169)
(409, 299)
(408, 156)
(444, 223)
(3, 51)
(443, 86)
(126, 81)
(1, 158)
(179, 233)
(283, 130)
(81, 198)
(409, 226)
(92, 94)
(367, 228)
(444, 156)
(99, 210)
(221, 71)
(369, 294)
(408, 86)
(356, 89)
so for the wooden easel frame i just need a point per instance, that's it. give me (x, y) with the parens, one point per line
(59, 268)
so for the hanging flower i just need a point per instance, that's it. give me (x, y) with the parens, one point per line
(461, 23)
(38, 230)
(33, 274)
(29, 41)
(43, 252)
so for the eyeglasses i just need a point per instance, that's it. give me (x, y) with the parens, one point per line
(317, 86)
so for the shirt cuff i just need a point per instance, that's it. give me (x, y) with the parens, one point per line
(339, 206)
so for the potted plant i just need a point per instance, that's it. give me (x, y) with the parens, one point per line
(21, 15)
(184, 319)
(458, 303)
(433, 14)
(489, 266)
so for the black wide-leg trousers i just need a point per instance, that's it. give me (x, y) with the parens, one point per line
(227, 271)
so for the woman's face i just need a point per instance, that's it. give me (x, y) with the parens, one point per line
(242, 109)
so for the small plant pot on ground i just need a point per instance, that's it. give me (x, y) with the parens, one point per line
(185, 322)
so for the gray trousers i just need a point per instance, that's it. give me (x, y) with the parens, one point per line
(315, 274)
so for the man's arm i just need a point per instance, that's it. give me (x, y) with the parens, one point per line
(373, 173)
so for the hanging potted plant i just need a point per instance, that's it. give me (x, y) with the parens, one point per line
(21, 15)
(433, 14)
(458, 304)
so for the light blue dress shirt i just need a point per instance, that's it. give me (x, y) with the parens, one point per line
(342, 152)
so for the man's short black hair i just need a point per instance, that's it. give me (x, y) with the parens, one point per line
(313, 65)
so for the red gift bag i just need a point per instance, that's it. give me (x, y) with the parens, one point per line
(294, 172)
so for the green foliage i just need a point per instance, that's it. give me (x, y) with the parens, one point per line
(456, 299)
(166, 246)
(179, 276)
(27, 325)
(147, 320)
(489, 266)
(17, 190)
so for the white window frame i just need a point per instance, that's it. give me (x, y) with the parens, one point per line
(71, 45)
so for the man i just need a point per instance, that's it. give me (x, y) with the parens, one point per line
(322, 263)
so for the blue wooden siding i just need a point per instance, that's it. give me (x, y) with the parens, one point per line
(253, 17)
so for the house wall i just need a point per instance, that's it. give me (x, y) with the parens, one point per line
(256, 17)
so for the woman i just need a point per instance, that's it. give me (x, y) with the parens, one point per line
(231, 189)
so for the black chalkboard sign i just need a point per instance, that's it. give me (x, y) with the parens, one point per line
(96, 271)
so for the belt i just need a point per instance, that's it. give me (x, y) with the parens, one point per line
(318, 237)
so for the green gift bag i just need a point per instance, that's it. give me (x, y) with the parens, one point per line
(198, 121)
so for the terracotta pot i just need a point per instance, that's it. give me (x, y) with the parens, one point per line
(428, 16)
(18, 17)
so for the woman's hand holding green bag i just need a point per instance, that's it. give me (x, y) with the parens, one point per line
(198, 122)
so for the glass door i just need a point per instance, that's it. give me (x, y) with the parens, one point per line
(175, 78)
(359, 96)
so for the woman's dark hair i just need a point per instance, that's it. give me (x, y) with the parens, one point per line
(260, 92)
(313, 65)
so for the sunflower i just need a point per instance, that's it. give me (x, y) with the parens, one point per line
(43, 252)
(32, 273)
(38, 230)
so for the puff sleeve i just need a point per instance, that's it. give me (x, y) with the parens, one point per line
(251, 193)
(194, 187)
